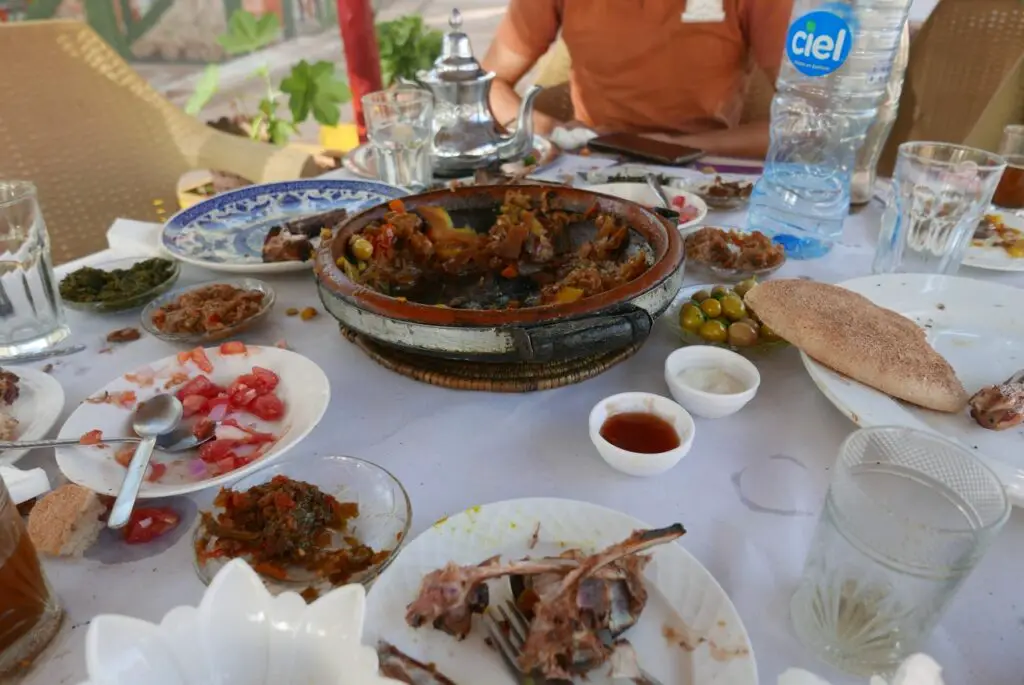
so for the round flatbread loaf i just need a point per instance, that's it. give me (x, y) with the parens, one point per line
(852, 335)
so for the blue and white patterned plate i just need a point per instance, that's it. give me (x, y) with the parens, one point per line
(226, 232)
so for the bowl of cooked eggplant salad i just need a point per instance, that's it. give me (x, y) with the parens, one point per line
(118, 285)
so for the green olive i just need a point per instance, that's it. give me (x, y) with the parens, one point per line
(743, 287)
(711, 307)
(720, 291)
(690, 317)
(750, 322)
(768, 335)
(700, 296)
(362, 249)
(714, 331)
(732, 307)
(742, 334)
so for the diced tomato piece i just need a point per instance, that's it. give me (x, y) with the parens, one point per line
(126, 399)
(203, 428)
(215, 450)
(266, 380)
(267, 407)
(201, 360)
(242, 394)
(184, 358)
(123, 456)
(155, 471)
(225, 465)
(233, 347)
(678, 202)
(200, 385)
(149, 523)
(245, 434)
(192, 405)
(176, 379)
(397, 206)
(93, 437)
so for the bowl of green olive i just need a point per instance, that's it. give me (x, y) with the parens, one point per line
(715, 315)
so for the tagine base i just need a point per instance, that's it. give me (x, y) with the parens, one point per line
(485, 376)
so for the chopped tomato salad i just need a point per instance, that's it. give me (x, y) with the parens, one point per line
(148, 523)
(93, 437)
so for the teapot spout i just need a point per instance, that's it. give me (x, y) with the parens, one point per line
(521, 142)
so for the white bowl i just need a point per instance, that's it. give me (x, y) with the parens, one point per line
(633, 463)
(711, 405)
(642, 194)
(239, 635)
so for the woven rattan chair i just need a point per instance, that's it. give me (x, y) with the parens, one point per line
(965, 79)
(99, 142)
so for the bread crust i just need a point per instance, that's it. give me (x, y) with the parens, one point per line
(850, 334)
(66, 521)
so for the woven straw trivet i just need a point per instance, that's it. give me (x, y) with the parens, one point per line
(487, 377)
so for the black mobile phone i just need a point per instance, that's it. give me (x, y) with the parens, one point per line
(637, 146)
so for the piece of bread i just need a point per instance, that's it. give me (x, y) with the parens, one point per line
(850, 334)
(66, 522)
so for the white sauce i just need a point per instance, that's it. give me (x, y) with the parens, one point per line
(711, 379)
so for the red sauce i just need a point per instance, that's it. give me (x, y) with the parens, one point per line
(637, 431)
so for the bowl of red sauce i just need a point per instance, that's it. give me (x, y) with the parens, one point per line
(640, 433)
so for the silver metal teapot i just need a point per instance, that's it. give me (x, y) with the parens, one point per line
(466, 137)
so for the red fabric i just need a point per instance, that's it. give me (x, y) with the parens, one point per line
(358, 37)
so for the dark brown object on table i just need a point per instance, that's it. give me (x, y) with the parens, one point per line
(398, 665)
(208, 309)
(282, 246)
(998, 407)
(728, 190)
(123, 335)
(733, 250)
(310, 226)
(9, 387)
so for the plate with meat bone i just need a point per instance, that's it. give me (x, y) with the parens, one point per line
(689, 631)
(978, 327)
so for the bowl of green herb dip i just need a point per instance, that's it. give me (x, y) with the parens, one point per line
(118, 285)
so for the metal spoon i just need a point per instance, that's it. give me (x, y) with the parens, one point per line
(181, 439)
(153, 418)
(652, 181)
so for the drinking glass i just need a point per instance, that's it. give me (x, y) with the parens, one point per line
(1010, 191)
(907, 516)
(939, 192)
(399, 123)
(31, 314)
(29, 612)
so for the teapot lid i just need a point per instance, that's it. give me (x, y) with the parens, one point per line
(457, 62)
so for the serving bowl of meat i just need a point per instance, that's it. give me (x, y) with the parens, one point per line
(502, 273)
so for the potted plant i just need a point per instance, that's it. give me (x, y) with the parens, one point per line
(406, 46)
(308, 90)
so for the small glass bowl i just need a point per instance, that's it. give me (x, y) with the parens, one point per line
(671, 318)
(201, 338)
(133, 302)
(385, 514)
(728, 274)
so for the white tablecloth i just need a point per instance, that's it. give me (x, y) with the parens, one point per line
(748, 493)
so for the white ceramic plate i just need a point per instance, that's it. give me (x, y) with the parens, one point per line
(996, 258)
(683, 595)
(304, 388)
(978, 327)
(37, 408)
(642, 194)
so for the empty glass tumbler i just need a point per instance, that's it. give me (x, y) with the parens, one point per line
(399, 123)
(907, 517)
(939, 193)
(31, 314)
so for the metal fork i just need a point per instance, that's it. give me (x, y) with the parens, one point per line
(509, 636)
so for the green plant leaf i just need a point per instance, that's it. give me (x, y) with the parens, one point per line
(313, 88)
(279, 131)
(248, 33)
(406, 47)
(206, 88)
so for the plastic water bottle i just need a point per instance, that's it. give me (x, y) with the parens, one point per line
(834, 73)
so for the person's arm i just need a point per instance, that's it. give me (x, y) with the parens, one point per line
(526, 32)
(745, 140)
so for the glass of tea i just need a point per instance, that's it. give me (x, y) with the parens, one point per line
(1010, 191)
(29, 612)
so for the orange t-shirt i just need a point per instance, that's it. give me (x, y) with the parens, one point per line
(637, 66)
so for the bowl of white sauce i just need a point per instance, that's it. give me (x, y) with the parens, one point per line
(711, 382)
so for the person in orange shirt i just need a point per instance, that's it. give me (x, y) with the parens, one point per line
(675, 70)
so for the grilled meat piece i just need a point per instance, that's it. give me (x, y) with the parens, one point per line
(398, 665)
(310, 226)
(283, 246)
(998, 407)
(9, 389)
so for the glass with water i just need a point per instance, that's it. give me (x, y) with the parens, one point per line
(399, 123)
(907, 517)
(31, 314)
(939, 193)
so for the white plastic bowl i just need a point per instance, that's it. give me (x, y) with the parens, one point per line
(633, 463)
(710, 405)
(239, 635)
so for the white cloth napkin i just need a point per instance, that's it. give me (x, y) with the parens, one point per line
(918, 669)
(24, 485)
(134, 237)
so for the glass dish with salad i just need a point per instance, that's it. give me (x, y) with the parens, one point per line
(307, 525)
(118, 285)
